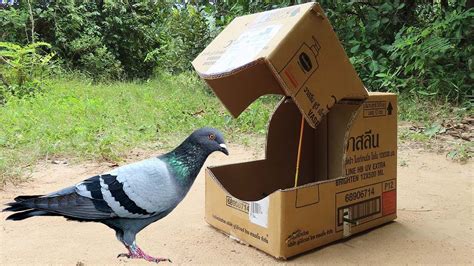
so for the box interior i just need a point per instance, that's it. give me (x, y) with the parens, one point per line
(322, 154)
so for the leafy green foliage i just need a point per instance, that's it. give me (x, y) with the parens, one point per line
(429, 59)
(12, 23)
(104, 39)
(131, 30)
(367, 30)
(185, 34)
(408, 46)
(22, 68)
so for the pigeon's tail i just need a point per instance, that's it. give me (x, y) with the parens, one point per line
(27, 214)
(24, 208)
(65, 203)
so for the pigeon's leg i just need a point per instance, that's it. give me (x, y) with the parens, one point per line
(127, 237)
(137, 253)
(119, 235)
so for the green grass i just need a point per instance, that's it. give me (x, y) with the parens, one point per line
(461, 152)
(428, 111)
(408, 135)
(431, 115)
(75, 118)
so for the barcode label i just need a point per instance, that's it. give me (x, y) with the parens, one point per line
(364, 209)
(356, 212)
(255, 209)
(258, 212)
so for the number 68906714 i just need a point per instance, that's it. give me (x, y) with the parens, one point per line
(360, 194)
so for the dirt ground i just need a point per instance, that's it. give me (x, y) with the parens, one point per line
(434, 225)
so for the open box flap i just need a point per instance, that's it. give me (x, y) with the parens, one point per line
(291, 51)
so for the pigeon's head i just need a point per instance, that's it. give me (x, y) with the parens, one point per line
(209, 139)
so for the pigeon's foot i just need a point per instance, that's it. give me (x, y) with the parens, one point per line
(134, 252)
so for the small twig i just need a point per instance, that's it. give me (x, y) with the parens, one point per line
(2, 59)
(26, 34)
(416, 210)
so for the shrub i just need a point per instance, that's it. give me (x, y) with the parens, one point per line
(13, 24)
(435, 60)
(185, 34)
(131, 30)
(104, 39)
(76, 35)
(22, 68)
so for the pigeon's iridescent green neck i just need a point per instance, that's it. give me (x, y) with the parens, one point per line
(185, 162)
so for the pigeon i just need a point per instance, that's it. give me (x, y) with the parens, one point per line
(130, 197)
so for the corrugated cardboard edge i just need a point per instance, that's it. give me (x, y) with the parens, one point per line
(231, 72)
(348, 131)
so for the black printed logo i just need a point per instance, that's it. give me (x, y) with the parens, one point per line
(305, 62)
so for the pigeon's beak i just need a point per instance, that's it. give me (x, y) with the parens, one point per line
(224, 149)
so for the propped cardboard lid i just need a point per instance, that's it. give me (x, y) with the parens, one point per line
(291, 51)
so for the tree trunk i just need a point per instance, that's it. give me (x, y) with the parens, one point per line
(30, 11)
(469, 4)
(444, 5)
(408, 11)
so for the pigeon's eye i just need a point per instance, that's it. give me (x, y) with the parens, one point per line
(212, 136)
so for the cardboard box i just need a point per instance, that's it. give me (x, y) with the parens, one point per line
(294, 52)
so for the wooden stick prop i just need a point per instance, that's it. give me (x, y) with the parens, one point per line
(299, 151)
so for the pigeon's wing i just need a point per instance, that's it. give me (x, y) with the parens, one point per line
(65, 202)
(138, 190)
